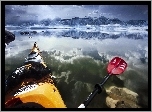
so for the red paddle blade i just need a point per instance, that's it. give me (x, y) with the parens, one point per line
(116, 66)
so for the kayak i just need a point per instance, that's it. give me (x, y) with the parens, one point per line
(32, 85)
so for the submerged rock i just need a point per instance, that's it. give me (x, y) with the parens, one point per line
(111, 102)
(121, 98)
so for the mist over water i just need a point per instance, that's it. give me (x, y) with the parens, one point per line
(80, 62)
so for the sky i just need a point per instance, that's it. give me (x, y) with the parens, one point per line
(38, 12)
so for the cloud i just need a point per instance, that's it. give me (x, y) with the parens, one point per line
(136, 49)
(40, 12)
(17, 13)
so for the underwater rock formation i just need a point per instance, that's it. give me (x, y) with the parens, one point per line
(121, 98)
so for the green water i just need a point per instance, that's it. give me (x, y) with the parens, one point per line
(76, 80)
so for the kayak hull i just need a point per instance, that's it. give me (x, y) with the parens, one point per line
(42, 92)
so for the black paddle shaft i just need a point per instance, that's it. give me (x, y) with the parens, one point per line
(98, 89)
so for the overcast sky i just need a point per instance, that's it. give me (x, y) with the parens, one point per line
(39, 12)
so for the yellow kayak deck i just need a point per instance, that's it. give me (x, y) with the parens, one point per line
(41, 91)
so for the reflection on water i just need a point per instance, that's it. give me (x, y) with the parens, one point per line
(78, 57)
(99, 35)
(76, 34)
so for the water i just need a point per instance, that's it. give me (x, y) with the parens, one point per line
(79, 57)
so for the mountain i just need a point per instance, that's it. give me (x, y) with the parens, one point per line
(78, 21)
(137, 22)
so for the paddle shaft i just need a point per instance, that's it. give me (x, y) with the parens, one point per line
(115, 67)
(98, 89)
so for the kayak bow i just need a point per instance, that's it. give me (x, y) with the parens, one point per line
(32, 85)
